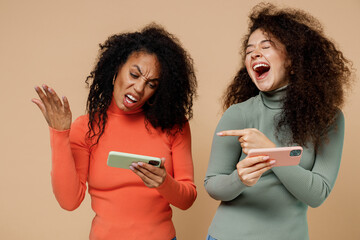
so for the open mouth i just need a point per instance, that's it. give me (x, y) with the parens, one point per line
(261, 69)
(130, 99)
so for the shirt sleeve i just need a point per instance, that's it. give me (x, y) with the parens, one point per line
(314, 186)
(70, 163)
(222, 181)
(180, 190)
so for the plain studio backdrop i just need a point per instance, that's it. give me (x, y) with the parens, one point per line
(56, 42)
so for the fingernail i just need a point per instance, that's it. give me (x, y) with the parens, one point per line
(131, 167)
(134, 164)
(266, 158)
(220, 134)
(50, 90)
(140, 163)
(272, 162)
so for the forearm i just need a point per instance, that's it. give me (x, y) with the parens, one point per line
(180, 193)
(314, 186)
(222, 181)
(224, 187)
(67, 187)
(309, 187)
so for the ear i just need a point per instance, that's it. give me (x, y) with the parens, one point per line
(288, 65)
(151, 100)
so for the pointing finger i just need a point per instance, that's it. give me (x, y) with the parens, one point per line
(238, 133)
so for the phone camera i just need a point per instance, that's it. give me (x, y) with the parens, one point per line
(154, 163)
(295, 153)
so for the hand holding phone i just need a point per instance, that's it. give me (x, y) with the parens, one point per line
(124, 160)
(284, 156)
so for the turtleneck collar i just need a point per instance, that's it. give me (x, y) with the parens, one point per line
(274, 98)
(113, 108)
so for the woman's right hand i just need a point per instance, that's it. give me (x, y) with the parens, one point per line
(56, 113)
(250, 169)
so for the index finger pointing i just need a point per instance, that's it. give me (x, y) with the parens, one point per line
(238, 133)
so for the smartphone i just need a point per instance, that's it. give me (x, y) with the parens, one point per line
(124, 160)
(284, 156)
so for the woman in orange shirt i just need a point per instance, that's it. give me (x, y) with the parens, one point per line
(140, 101)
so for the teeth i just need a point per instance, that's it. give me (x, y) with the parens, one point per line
(132, 98)
(260, 65)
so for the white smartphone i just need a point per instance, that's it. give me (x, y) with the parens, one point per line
(124, 160)
(284, 156)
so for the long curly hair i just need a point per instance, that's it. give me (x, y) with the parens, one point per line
(318, 76)
(173, 100)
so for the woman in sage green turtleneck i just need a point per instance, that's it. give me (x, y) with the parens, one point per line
(289, 91)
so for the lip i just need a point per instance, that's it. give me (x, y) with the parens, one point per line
(256, 63)
(132, 97)
(262, 76)
(130, 102)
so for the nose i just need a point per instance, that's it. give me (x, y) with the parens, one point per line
(139, 86)
(256, 53)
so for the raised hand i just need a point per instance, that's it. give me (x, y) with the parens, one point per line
(152, 176)
(249, 138)
(56, 112)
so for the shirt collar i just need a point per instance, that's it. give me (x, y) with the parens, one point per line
(274, 99)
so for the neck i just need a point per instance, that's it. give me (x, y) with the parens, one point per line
(274, 99)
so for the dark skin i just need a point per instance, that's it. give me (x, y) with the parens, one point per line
(152, 176)
(58, 115)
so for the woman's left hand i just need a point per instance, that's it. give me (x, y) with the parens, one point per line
(152, 176)
(249, 138)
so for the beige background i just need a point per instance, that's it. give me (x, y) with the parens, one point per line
(56, 42)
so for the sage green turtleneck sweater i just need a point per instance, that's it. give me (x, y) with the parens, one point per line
(276, 206)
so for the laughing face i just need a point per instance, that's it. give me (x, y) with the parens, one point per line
(136, 81)
(266, 61)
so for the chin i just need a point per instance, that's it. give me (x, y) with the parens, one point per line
(264, 88)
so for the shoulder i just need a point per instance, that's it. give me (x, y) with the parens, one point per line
(339, 122)
(178, 133)
(244, 106)
(183, 130)
(340, 115)
(337, 125)
(81, 121)
(80, 126)
(239, 111)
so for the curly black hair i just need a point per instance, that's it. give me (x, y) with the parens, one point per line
(173, 100)
(318, 76)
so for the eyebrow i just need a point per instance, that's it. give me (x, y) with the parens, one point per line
(263, 41)
(138, 68)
